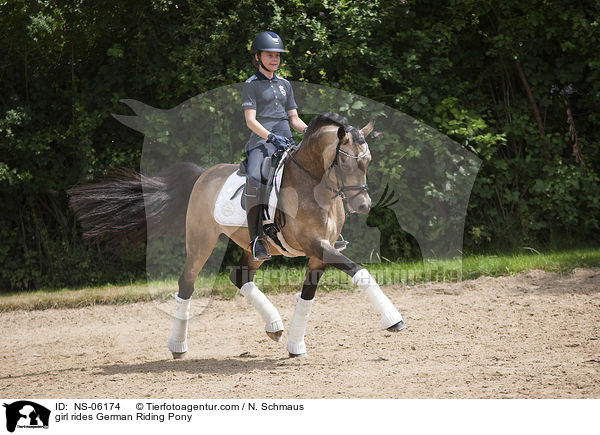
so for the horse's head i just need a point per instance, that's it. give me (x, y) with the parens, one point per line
(350, 163)
(337, 155)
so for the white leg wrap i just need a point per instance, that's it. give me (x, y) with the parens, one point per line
(178, 341)
(263, 305)
(389, 314)
(295, 342)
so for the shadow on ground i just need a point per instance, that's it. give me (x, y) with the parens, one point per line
(229, 366)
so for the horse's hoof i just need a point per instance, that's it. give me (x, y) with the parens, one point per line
(178, 355)
(275, 336)
(296, 355)
(397, 327)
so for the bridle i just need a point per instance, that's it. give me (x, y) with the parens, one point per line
(342, 188)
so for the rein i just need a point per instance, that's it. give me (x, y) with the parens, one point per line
(341, 187)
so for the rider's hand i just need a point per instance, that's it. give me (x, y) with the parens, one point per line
(278, 141)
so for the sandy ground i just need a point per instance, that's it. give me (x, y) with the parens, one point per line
(534, 335)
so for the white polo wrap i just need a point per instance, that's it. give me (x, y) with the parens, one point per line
(178, 341)
(365, 282)
(263, 305)
(182, 307)
(295, 342)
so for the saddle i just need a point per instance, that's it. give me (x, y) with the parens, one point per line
(229, 211)
(267, 171)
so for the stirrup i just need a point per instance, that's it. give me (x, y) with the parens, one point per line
(266, 256)
(340, 245)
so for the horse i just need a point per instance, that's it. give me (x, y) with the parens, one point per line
(323, 179)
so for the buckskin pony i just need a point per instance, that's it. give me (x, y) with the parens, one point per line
(323, 179)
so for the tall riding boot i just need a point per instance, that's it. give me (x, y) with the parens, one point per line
(258, 246)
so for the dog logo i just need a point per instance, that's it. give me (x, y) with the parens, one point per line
(26, 414)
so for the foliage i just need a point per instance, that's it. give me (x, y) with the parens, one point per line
(517, 83)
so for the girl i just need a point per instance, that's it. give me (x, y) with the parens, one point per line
(269, 110)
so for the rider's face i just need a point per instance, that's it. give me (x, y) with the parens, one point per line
(270, 60)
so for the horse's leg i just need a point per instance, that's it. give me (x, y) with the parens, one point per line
(242, 276)
(199, 246)
(391, 319)
(304, 300)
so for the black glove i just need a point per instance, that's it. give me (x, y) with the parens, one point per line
(278, 141)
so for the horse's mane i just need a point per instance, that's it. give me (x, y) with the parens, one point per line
(324, 119)
(331, 118)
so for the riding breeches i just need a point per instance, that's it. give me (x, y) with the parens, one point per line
(256, 155)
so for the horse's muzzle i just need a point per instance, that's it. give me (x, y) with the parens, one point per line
(361, 204)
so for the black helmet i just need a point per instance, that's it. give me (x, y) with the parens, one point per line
(267, 41)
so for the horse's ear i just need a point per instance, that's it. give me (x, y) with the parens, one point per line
(341, 133)
(367, 129)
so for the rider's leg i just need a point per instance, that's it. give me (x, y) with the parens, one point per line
(254, 201)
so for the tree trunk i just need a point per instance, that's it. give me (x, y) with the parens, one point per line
(534, 106)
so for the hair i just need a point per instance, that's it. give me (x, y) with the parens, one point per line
(127, 202)
(253, 58)
(332, 118)
(328, 118)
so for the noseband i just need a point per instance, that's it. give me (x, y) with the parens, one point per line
(341, 187)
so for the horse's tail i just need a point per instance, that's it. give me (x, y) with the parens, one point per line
(130, 204)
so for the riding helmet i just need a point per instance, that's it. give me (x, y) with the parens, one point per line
(267, 41)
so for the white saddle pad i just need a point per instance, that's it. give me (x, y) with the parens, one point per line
(229, 212)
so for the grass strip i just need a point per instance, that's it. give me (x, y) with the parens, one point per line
(284, 279)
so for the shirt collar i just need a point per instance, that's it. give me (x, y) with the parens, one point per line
(261, 76)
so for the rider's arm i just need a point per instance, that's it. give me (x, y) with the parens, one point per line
(295, 121)
(254, 125)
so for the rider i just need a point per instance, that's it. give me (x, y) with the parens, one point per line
(269, 110)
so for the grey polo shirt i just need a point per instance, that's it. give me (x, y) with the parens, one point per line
(271, 98)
